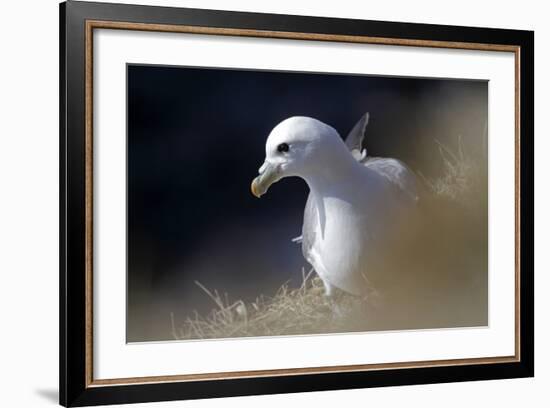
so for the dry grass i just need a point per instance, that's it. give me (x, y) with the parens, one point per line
(461, 179)
(456, 177)
(304, 310)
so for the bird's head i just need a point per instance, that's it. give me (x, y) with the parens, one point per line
(297, 146)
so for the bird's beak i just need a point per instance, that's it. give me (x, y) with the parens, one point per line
(269, 173)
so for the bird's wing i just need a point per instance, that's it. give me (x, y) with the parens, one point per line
(354, 139)
(392, 169)
(310, 232)
(308, 228)
(396, 172)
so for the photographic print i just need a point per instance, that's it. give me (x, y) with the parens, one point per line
(274, 203)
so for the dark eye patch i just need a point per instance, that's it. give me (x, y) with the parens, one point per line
(283, 148)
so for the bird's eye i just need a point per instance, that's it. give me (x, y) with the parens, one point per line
(283, 148)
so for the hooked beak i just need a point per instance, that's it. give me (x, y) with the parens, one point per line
(269, 173)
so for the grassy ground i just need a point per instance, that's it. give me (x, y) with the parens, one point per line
(290, 311)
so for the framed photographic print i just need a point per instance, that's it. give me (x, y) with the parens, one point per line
(255, 203)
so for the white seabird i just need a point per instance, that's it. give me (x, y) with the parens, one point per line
(356, 206)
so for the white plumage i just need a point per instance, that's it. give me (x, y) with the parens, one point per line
(357, 205)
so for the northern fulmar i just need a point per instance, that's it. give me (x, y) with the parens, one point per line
(357, 205)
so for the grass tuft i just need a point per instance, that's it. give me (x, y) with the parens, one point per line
(462, 180)
(291, 311)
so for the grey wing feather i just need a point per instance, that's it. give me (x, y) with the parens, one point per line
(396, 172)
(354, 139)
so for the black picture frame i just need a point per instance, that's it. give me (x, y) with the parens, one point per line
(75, 386)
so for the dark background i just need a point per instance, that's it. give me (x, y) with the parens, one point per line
(196, 138)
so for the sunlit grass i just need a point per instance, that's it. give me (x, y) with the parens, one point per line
(303, 310)
(462, 179)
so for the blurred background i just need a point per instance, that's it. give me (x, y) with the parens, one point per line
(196, 139)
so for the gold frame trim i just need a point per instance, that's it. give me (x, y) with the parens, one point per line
(97, 24)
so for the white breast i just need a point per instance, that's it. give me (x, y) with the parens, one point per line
(348, 240)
